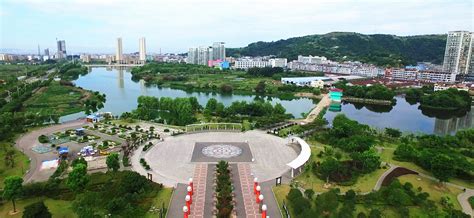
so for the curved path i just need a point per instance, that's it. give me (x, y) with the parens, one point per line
(463, 198)
(25, 142)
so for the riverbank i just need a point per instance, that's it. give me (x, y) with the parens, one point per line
(367, 101)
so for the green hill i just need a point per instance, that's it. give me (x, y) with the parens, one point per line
(379, 49)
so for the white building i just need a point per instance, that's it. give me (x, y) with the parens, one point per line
(413, 74)
(86, 58)
(441, 87)
(314, 81)
(142, 49)
(278, 62)
(458, 56)
(246, 64)
(218, 51)
(312, 59)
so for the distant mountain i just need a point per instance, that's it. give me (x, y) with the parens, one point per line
(378, 49)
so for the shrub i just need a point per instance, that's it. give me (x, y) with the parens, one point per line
(43, 139)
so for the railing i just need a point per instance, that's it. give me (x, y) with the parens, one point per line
(213, 127)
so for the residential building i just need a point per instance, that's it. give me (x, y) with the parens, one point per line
(119, 52)
(278, 62)
(404, 74)
(86, 58)
(441, 86)
(218, 51)
(248, 63)
(312, 59)
(61, 52)
(46, 52)
(431, 76)
(142, 49)
(192, 56)
(305, 81)
(458, 55)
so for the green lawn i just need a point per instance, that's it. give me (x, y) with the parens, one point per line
(163, 198)
(280, 193)
(433, 188)
(56, 99)
(58, 208)
(20, 167)
(387, 156)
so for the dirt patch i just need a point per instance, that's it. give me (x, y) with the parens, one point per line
(399, 171)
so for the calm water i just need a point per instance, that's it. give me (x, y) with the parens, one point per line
(122, 93)
(403, 116)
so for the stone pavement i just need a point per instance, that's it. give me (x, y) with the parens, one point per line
(199, 195)
(246, 182)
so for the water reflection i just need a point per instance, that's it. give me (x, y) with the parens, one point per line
(405, 116)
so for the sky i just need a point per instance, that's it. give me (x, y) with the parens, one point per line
(172, 26)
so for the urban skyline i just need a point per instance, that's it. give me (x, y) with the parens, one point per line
(173, 36)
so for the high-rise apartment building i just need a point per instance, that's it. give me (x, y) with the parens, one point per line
(61, 49)
(192, 56)
(458, 56)
(46, 52)
(204, 54)
(218, 51)
(119, 53)
(142, 49)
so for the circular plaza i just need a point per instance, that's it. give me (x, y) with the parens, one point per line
(174, 159)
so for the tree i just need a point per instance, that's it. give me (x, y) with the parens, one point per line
(327, 202)
(10, 158)
(329, 167)
(79, 160)
(442, 167)
(369, 160)
(395, 133)
(78, 179)
(260, 88)
(309, 193)
(226, 88)
(36, 210)
(113, 162)
(12, 189)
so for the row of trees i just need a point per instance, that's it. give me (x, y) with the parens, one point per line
(177, 111)
(396, 196)
(224, 190)
(445, 156)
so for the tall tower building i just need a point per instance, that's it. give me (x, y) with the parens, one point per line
(61, 49)
(458, 56)
(142, 49)
(119, 53)
(46, 52)
(218, 51)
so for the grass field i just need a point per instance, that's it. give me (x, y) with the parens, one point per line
(56, 99)
(387, 156)
(280, 193)
(58, 208)
(20, 167)
(433, 188)
(163, 198)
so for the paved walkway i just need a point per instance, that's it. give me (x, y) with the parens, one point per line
(246, 183)
(324, 102)
(199, 195)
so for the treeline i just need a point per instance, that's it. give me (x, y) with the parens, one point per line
(183, 111)
(94, 103)
(377, 91)
(378, 49)
(357, 140)
(71, 71)
(264, 71)
(450, 99)
(397, 196)
(445, 156)
(150, 70)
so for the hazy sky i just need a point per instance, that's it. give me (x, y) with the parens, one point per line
(175, 25)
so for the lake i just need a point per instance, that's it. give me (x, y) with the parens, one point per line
(122, 93)
(403, 116)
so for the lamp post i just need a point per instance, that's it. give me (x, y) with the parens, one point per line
(185, 211)
(264, 211)
(260, 202)
(188, 203)
(255, 184)
(258, 193)
(190, 193)
(191, 183)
